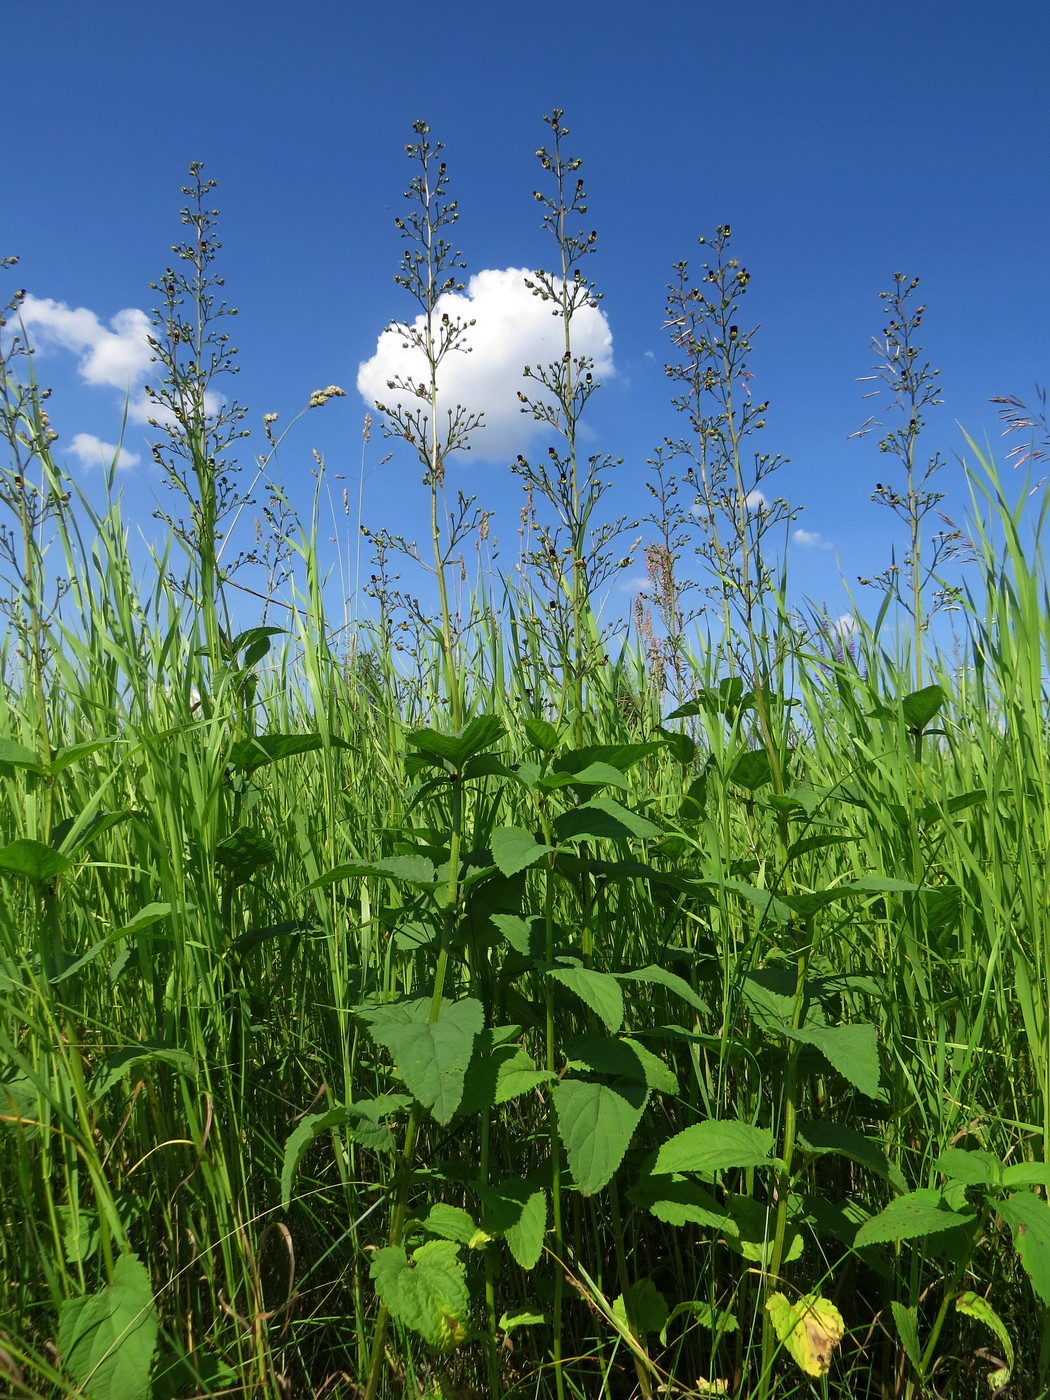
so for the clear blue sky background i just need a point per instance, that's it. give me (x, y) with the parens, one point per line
(842, 142)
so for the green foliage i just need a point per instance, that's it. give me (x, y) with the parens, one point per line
(107, 1340)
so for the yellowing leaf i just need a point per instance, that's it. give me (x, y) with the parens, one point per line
(810, 1328)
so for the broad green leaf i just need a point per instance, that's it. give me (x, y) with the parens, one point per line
(907, 1320)
(751, 770)
(106, 1340)
(593, 775)
(427, 1292)
(646, 1304)
(920, 706)
(244, 853)
(603, 817)
(714, 1146)
(619, 756)
(410, 870)
(596, 1123)
(250, 754)
(910, 1217)
(526, 936)
(598, 990)
(971, 1168)
(1026, 1174)
(499, 1073)
(454, 751)
(820, 1137)
(681, 1203)
(660, 977)
(517, 1212)
(625, 1059)
(973, 1305)
(17, 756)
(132, 1057)
(523, 1318)
(32, 859)
(1028, 1216)
(365, 1121)
(430, 1056)
(255, 643)
(810, 1327)
(451, 1223)
(714, 1319)
(853, 1050)
(514, 849)
(542, 734)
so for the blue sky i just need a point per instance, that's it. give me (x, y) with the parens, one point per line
(841, 142)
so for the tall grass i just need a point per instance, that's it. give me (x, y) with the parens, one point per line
(711, 986)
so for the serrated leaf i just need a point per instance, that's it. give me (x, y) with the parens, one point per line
(714, 1146)
(1028, 1217)
(625, 1059)
(542, 734)
(910, 1217)
(970, 1167)
(430, 1056)
(133, 1057)
(973, 1305)
(451, 1223)
(526, 936)
(107, 1340)
(600, 991)
(751, 770)
(646, 1304)
(516, 1211)
(920, 706)
(1026, 1174)
(853, 1050)
(596, 1123)
(17, 756)
(907, 1320)
(810, 1328)
(514, 849)
(243, 853)
(33, 860)
(364, 1121)
(409, 870)
(660, 977)
(523, 1318)
(603, 817)
(821, 1137)
(250, 754)
(427, 1292)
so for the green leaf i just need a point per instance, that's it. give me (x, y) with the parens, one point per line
(853, 1050)
(910, 1217)
(817, 1138)
(648, 1306)
(602, 817)
(516, 1211)
(121, 1062)
(660, 977)
(364, 1120)
(250, 754)
(907, 1320)
(598, 990)
(409, 870)
(16, 756)
(593, 775)
(499, 1073)
(542, 734)
(973, 1305)
(514, 849)
(255, 643)
(714, 1146)
(526, 936)
(454, 751)
(1026, 1174)
(714, 1319)
(1028, 1217)
(751, 770)
(596, 1123)
(451, 1223)
(524, 1317)
(625, 1059)
(920, 706)
(107, 1340)
(971, 1168)
(244, 853)
(430, 1056)
(32, 859)
(428, 1292)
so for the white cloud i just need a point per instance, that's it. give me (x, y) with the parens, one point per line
(844, 626)
(114, 357)
(512, 328)
(117, 357)
(809, 539)
(93, 452)
(754, 500)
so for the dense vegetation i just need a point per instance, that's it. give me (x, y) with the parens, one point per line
(480, 1003)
